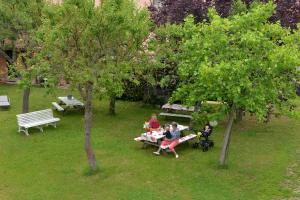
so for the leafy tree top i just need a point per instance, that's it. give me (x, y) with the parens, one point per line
(243, 61)
(82, 43)
(19, 16)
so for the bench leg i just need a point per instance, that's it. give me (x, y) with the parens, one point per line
(53, 124)
(25, 130)
(40, 128)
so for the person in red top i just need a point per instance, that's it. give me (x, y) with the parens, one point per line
(153, 123)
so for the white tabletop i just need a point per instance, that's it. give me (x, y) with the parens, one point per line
(157, 135)
(178, 107)
(70, 102)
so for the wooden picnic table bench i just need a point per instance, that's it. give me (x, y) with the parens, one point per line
(70, 102)
(177, 107)
(58, 107)
(65, 104)
(181, 111)
(176, 115)
(36, 119)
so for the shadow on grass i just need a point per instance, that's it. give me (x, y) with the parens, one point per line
(222, 167)
(90, 172)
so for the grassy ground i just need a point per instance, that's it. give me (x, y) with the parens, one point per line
(53, 165)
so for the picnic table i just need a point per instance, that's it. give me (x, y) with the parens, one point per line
(169, 108)
(68, 104)
(72, 102)
(155, 137)
(178, 107)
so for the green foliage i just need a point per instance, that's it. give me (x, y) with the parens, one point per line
(208, 113)
(19, 19)
(238, 7)
(14, 18)
(102, 45)
(243, 61)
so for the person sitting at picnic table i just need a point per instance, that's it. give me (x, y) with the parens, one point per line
(167, 132)
(172, 142)
(152, 124)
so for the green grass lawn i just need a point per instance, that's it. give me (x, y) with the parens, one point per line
(53, 165)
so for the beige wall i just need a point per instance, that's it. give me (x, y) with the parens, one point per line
(143, 3)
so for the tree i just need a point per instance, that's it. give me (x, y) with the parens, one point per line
(19, 19)
(79, 44)
(124, 34)
(243, 62)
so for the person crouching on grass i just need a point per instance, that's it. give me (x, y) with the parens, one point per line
(172, 142)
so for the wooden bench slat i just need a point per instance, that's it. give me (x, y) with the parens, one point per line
(34, 124)
(186, 138)
(176, 115)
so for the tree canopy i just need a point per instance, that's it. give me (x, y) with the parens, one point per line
(93, 48)
(242, 61)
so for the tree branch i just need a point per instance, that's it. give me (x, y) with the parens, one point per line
(8, 59)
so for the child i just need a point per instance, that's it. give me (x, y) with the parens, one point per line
(167, 132)
(207, 130)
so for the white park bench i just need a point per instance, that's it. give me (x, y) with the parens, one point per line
(4, 101)
(36, 119)
(58, 107)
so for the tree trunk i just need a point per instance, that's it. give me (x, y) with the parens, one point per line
(88, 125)
(197, 106)
(225, 147)
(26, 92)
(112, 105)
(269, 114)
(146, 95)
(239, 115)
(14, 52)
(25, 106)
